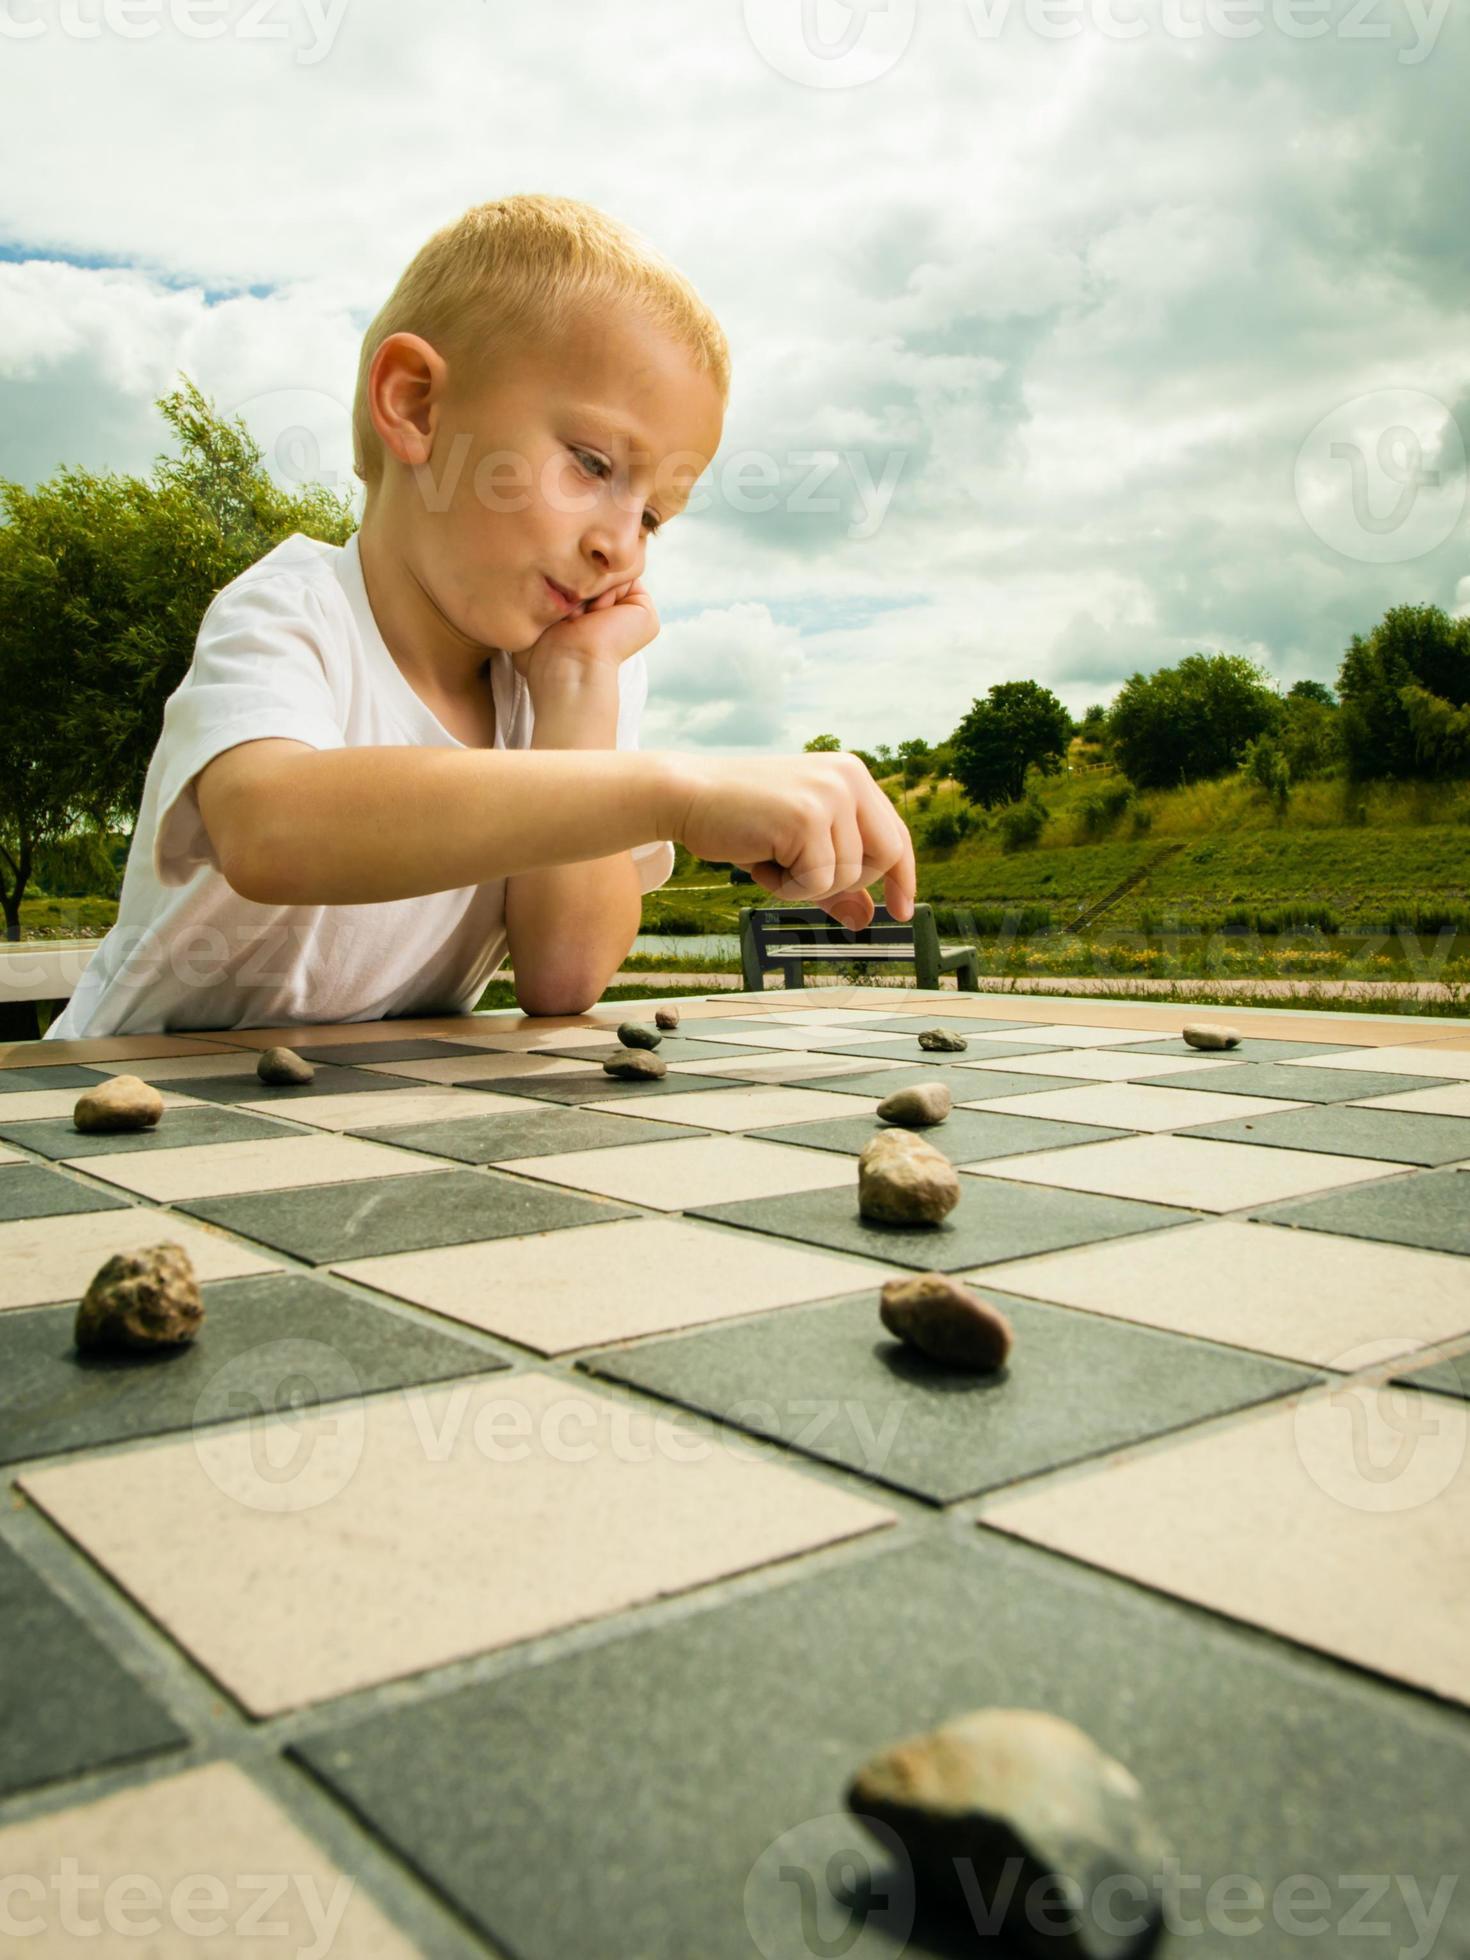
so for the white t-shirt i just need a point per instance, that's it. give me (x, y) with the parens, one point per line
(291, 648)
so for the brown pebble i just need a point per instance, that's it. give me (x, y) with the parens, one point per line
(940, 1040)
(667, 1017)
(635, 1034)
(125, 1102)
(635, 1064)
(283, 1067)
(1211, 1034)
(1002, 1789)
(143, 1299)
(925, 1103)
(904, 1180)
(945, 1320)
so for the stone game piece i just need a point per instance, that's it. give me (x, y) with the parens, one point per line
(916, 1108)
(637, 1034)
(946, 1321)
(904, 1180)
(635, 1065)
(666, 1018)
(284, 1068)
(1002, 1790)
(937, 1040)
(1210, 1034)
(144, 1299)
(125, 1102)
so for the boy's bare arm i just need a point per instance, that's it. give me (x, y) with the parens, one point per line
(569, 926)
(294, 825)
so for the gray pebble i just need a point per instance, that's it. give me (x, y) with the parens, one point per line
(636, 1034)
(941, 1041)
(635, 1065)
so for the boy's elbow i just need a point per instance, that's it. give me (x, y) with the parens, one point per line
(253, 874)
(557, 997)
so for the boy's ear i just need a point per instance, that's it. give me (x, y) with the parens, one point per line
(407, 386)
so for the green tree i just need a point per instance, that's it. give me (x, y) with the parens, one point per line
(1018, 726)
(822, 745)
(1386, 730)
(1312, 691)
(914, 759)
(1308, 734)
(1182, 724)
(103, 582)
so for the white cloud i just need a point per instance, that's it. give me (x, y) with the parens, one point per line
(1073, 306)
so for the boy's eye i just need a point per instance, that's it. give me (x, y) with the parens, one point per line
(595, 466)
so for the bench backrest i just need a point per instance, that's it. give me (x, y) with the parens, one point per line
(809, 925)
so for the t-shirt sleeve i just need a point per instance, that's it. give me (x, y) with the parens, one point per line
(655, 861)
(260, 668)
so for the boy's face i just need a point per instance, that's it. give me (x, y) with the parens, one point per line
(558, 465)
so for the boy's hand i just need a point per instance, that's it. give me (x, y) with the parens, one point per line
(812, 829)
(607, 631)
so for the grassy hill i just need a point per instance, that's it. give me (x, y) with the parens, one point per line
(1350, 861)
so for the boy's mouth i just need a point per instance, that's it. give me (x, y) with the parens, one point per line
(566, 600)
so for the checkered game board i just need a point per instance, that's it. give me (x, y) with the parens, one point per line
(543, 1526)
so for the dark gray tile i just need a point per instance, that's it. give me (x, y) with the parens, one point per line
(276, 1342)
(539, 1133)
(36, 1191)
(1252, 1048)
(1342, 1130)
(964, 1084)
(1450, 1377)
(176, 1129)
(994, 1220)
(322, 1222)
(65, 1075)
(899, 1050)
(596, 1086)
(1078, 1385)
(647, 1784)
(965, 1136)
(672, 1048)
(67, 1704)
(1430, 1209)
(329, 1081)
(417, 1049)
(1317, 1085)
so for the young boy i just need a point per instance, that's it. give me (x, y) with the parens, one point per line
(393, 762)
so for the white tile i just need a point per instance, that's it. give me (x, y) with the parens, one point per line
(1201, 1172)
(689, 1171)
(756, 1108)
(36, 1105)
(1130, 1105)
(1305, 1296)
(259, 1164)
(40, 1264)
(799, 1038)
(1067, 1037)
(554, 1291)
(789, 1067)
(1408, 1060)
(363, 1110)
(1453, 1099)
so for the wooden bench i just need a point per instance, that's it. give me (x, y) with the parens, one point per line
(34, 970)
(789, 936)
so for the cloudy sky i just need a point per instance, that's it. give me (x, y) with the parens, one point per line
(1075, 334)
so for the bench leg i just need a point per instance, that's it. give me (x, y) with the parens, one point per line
(19, 1021)
(969, 975)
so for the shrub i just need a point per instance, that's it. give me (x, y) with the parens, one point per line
(1287, 918)
(1100, 810)
(1022, 824)
(941, 832)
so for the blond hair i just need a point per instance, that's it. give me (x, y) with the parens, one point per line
(507, 273)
